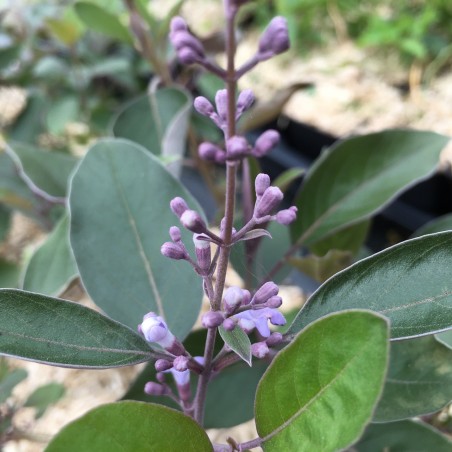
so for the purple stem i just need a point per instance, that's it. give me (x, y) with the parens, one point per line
(256, 442)
(247, 66)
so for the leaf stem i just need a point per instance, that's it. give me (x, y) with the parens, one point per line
(256, 442)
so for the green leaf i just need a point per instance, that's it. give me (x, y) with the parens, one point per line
(359, 176)
(68, 29)
(404, 436)
(102, 21)
(238, 341)
(419, 380)
(5, 221)
(9, 379)
(285, 179)
(52, 267)
(9, 274)
(440, 224)
(53, 331)
(158, 121)
(8, 56)
(445, 338)
(409, 283)
(44, 396)
(120, 217)
(319, 392)
(62, 112)
(48, 170)
(130, 427)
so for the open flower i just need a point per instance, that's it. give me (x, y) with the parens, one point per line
(258, 318)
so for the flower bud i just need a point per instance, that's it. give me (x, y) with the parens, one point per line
(220, 156)
(271, 199)
(174, 233)
(192, 221)
(178, 206)
(155, 389)
(274, 302)
(178, 24)
(274, 339)
(203, 253)
(212, 319)
(187, 56)
(203, 106)
(221, 102)
(163, 364)
(208, 151)
(232, 299)
(266, 291)
(160, 377)
(237, 147)
(259, 349)
(274, 39)
(244, 101)
(265, 143)
(229, 324)
(287, 216)
(154, 328)
(262, 183)
(180, 364)
(173, 251)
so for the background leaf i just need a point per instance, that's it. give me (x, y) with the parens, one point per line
(5, 221)
(440, 224)
(359, 176)
(120, 218)
(319, 392)
(54, 331)
(419, 380)
(409, 283)
(52, 267)
(44, 396)
(445, 338)
(404, 436)
(131, 426)
(9, 274)
(9, 379)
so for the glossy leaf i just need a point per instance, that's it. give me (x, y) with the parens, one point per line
(445, 338)
(9, 379)
(52, 267)
(120, 218)
(419, 380)
(238, 341)
(102, 21)
(53, 331)
(359, 176)
(440, 224)
(409, 283)
(404, 436)
(44, 396)
(129, 427)
(319, 392)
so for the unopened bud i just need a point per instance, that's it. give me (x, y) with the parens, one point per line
(287, 216)
(163, 364)
(155, 389)
(261, 183)
(192, 221)
(160, 376)
(274, 302)
(203, 253)
(180, 364)
(221, 102)
(274, 339)
(232, 299)
(178, 206)
(266, 291)
(175, 234)
(229, 324)
(178, 24)
(274, 39)
(212, 319)
(237, 147)
(271, 199)
(173, 251)
(209, 151)
(244, 101)
(187, 56)
(259, 349)
(203, 106)
(154, 328)
(266, 142)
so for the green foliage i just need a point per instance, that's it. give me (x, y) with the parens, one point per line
(44, 396)
(238, 341)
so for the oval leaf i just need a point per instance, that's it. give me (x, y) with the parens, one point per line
(320, 391)
(238, 341)
(52, 267)
(120, 217)
(419, 380)
(409, 283)
(359, 176)
(53, 331)
(131, 427)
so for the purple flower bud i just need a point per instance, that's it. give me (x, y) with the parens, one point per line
(221, 101)
(160, 376)
(266, 142)
(237, 147)
(208, 151)
(180, 364)
(262, 183)
(203, 106)
(178, 206)
(244, 101)
(220, 156)
(274, 39)
(173, 251)
(187, 56)
(203, 253)
(174, 233)
(155, 389)
(229, 324)
(184, 40)
(192, 221)
(259, 349)
(266, 291)
(274, 302)
(274, 339)
(271, 199)
(212, 319)
(287, 216)
(233, 299)
(178, 24)
(163, 364)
